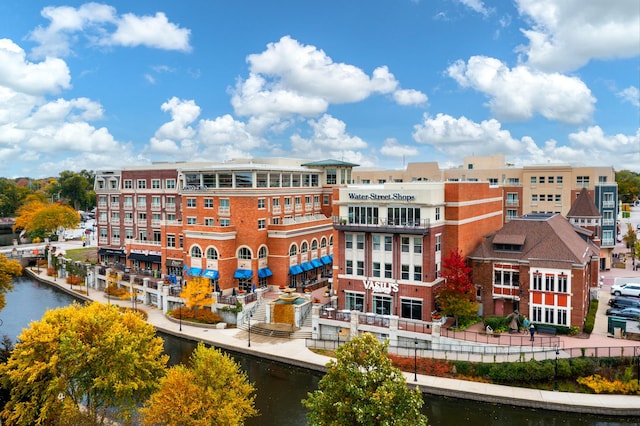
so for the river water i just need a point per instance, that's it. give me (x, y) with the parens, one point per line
(280, 387)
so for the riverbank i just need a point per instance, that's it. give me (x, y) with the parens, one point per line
(294, 352)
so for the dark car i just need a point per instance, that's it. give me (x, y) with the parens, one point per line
(631, 313)
(622, 302)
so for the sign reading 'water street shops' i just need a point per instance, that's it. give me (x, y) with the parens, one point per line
(396, 196)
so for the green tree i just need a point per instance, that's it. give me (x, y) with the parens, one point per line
(8, 270)
(211, 391)
(457, 295)
(94, 356)
(11, 197)
(362, 387)
(628, 185)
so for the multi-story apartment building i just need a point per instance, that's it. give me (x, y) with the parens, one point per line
(242, 224)
(391, 240)
(548, 188)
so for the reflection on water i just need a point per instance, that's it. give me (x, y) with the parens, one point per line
(280, 387)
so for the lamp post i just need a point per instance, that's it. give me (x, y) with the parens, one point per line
(249, 342)
(180, 316)
(556, 375)
(415, 360)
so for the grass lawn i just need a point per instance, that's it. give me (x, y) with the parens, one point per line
(83, 254)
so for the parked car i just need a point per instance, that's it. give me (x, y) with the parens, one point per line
(621, 302)
(628, 289)
(631, 313)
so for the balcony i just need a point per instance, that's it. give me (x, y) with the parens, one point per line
(170, 207)
(419, 227)
(608, 204)
(155, 207)
(513, 203)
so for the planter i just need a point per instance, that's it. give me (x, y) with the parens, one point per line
(228, 317)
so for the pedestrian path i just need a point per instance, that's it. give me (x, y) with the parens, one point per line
(295, 352)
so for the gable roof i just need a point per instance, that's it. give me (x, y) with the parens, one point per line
(583, 206)
(548, 241)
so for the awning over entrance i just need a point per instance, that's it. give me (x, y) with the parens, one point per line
(211, 274)
(295, 270)
(195, 272)
(243, 274)
(264, 272)
(145, 257)
(112, 252)
(306, 266)
(326, 260)
(316, 263)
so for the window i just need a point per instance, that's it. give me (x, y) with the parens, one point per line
(262, 223)
(191, 202)
(244, 253)
(417, 272)
(493, 181)
(437, 213)
(558, 198)
(348, 241)
(387, 270)
(142, 217)
(128, 234)
(332, 176)
(511, 214)
(349, 267)
(417, 245)
(602, 179)
(191, 220)
(549, 197)
(375, 268)
(533, 180)
(548, 315)
(293, 250)
(534, 198)
(170, 183)
(261, 203)
(261, 180)
(559, 180)
(382, 304)
(388, 246)
(512, 198)
(360, 267)
(128, 184)
(363, 215)
(438, 242)
(171, 240)
(541, 179)
(208, 203)
(171, 202)
(506, 275)
(212, 253)
(224, 204)
(405, 216)
(562, 283)
(550, 179)
(404, 244)
(354, 301)
(287, 202)
(562, 316)
(404, 272)
(360, 242)
(142, 201)
(537, 314)
(549, 282)
(304, 247)
(209, 221)
(582, 181)
(375, 241)
(155, 202)
(155, 218)
(225, 222)
(155, 183)
(325, 200)
(298, 201)
(196, 252)
(537, 281)
(142, 234)
(142, 184)
(411, 309)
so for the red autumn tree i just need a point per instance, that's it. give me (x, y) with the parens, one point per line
(457, 296)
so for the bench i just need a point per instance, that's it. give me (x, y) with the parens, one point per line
(547, 329)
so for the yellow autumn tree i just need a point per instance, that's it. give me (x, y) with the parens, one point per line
(82, 364)
(40, 220)
(212, 390)
(197, 293)
(8, 270)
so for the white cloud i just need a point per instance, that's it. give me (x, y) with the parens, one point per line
(34, 78)
(521, 92)
(329, 140)
(392, 148)
(96, 23)
(631, 94)
(151, 31)
(409, 97)
(566, 34)
(227, 131)
(476, 6)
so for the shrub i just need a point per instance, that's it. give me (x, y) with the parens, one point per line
(498, 324)
(117, 292)
(581, 367)
(203, 316)
(591, 316)
(74, 280)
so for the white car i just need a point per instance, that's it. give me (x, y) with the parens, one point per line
(628, 289)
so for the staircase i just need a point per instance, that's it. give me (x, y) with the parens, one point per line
(305, 331)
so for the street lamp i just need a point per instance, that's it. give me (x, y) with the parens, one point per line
(556, 384)
(180, 316)
(415, 360)
(249, 343)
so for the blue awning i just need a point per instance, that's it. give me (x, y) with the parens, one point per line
(316, 263)
(195, 272)
(325, 259)
(211, 273)
(243, 273)
(295, 270)
(264, 272)
(331, 257)
(306, 266)
(185, 267)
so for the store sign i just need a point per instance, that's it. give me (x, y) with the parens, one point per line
(396, 196)
(381, 286)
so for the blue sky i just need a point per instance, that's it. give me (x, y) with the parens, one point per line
(379, 82)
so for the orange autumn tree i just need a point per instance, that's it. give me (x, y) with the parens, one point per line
(457, 297)
(41, 220)
(197, 293)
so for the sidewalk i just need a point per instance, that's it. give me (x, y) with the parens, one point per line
(294, 352)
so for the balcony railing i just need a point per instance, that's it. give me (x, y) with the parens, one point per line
(382, 225)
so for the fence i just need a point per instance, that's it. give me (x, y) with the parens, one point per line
(504, 339)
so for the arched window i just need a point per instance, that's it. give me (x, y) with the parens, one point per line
(331, 240)
(244, 253)
(196, 251)
(293, 250)
(212, 253)
(323, 242)
(314, 245)
(304, 247)
(262, 253)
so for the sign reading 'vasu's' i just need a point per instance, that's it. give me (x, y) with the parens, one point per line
(381, 286)
(396, 196)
